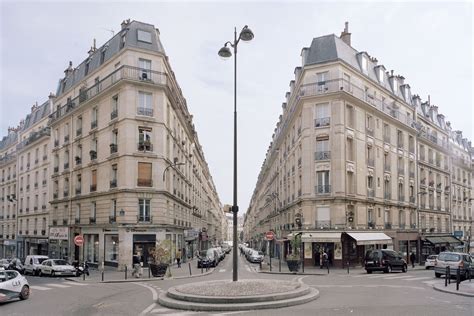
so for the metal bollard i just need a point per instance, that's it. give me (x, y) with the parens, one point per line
(260, 263)
(446, 277)
(270, 263)
(449, 274)
(327, 264)
(102, 275)
(458, 278)
(202, 269)
(149, 272)
(279, 263)
(84, 276)
(347, 267)
(125, 272)
(189, 265)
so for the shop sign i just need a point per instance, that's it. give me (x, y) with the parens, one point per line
(9, 243)
(58, 233)
(458, 233)
(191, 233)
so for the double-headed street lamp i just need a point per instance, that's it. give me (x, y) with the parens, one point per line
(246, 35)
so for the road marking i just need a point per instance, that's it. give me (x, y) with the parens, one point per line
(360, 276)
(40, 288)
(413, 279)
(74, 283)
(222, 270)
(58, 285)
(398, 277)
(370, 286)
(377, 276)
(155, 297)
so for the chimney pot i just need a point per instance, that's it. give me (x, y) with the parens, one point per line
(345, 35)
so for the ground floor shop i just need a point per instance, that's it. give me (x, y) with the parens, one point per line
(32, 246)
(434, 244)
(8, 248)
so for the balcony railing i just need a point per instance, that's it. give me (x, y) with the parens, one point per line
(79, 131)
(144, 111)
(370, 193)
(371, 224)
(322, 155)
(78, 191)
(77, 220)
(66, 165)
(56, 142)
(144, 182)
(401, 226)
(55, 196)
(412, 199)
(401, 198)
(388, 225)
(93, 187)
(320, 122)
(93, 154)
(91, 220)
(323, 189)
(145, 146)
(113, 183)
(56, 169)
(113, 114)
(113, 148)
(78, 160)
(66, 139)
(46, 131)
(433, 139)
(322, 224)
(144, 218)
(66, 193)
(112, 219)
(94, 124)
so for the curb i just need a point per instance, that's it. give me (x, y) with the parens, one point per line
(142, 279)
(290, 273)
(442, 289)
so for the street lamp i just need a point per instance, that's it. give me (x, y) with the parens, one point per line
(174, 164)
(246, 35)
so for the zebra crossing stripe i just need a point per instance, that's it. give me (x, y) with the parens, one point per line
(74, 283)
(58, 285)
(40, 288)
(398, 277)
(377, 276)
(413, 279)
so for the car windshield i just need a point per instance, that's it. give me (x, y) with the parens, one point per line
(391, 253)
(449, 257)
(59, 262)
(260, 253)
(210, 253)
(40, 260)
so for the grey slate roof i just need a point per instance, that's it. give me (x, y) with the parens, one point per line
(112, 48)
(41, 112)
(8, 140)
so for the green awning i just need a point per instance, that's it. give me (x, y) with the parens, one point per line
(436, 240)
(452, 240)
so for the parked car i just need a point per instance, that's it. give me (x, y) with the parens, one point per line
(455, 261)
(385, 260)
(33, 263)
(430, 261)
(55, 267)
(4, 263)
(255, 256)
(207, 258)
(220, 253)
(13, 285)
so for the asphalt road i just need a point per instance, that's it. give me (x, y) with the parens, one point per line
(340, 294)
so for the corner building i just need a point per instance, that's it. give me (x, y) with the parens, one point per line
(127, 167)
(343, 162)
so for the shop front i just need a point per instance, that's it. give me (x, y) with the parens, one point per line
(434, 244)
(406, 243)
(9, 248)
(320, 242)
(58, 243)
(356, 244)
(191, 246)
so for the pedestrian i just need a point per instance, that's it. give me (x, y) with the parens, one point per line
(412, 259)
(317, 257)
(178, 258)
(325, 260)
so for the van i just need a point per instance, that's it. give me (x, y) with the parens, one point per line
(455, 261)
(384, 260)
(33, 263)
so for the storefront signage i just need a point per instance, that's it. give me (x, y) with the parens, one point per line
(58, 233)
(458, 233)
(191, 233)
(307, 250)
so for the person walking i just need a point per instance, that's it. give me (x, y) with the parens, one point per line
(178, 258)
(412, 259)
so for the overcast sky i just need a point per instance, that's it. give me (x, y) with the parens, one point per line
(429, 43)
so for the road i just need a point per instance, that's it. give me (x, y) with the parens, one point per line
(356, 293)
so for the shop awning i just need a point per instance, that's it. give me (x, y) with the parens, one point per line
(370, 238)
(321, 237)
(443, 240)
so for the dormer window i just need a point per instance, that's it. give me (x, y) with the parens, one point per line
(102, 55)
(407, 94)
(395, 86)
(381, 75)
(364, 64)
(144, 36)
(86, 69)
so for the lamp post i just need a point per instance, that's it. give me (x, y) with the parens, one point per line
(174, 164)
(246, 35)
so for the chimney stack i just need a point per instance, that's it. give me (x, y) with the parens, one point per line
(345, 35)
(125, 23)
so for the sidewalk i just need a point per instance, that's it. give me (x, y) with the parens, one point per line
(111, 275)
(466, 288)
(314, 270)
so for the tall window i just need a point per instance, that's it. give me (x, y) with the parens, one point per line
(350, 183)
(114, 112)
(322, 149)
(144, 174)
(79, 126)
(114, 142)
(322, 115)
(113, 211)
(145, 106)
(350, 149)
(93, 151)
(78, 213)
(323, 185)
(93, 212)
(144, 139)
(322, 77)
(364, 64)
(113, 178)
(94, 118)
(94, 180)
(350, 116)
(145, 69)
(144, 210)
(386, 133)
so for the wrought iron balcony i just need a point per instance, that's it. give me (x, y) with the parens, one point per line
(323, 189)
(113, 148)
(93, 154)
(320, 122)
(93, 187)
(388, 225)
(322, 155)
(112, 219)
(144, 111)
(412, 199)
(144, 218)
(145, 146)
(94, 124)
(56, 169)
(91, 220)
(113, 114)
(66, 139)
(113, 183)
(78, 160)
(79, 131)
(77, 220)
(322, 224)
(66, 165)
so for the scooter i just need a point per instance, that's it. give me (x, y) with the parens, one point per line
(16, 265)
(81, 268)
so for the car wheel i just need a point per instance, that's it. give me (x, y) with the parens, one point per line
(390, 270)
(438, 275)
(404, 268)
(369, 271)
(52, 273)
(37, 272)
(40, 273)
(25, 292)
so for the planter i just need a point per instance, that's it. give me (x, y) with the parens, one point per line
(158, 270)
(293, 264)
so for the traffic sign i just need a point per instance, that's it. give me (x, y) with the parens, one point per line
(270, 235)
(79, 240)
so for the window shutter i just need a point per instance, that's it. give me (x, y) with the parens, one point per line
(94, 177)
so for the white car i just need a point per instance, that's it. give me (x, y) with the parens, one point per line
(55, 267)
(430, 261)
(13, 285)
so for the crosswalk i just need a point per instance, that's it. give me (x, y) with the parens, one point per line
(405, 277)
(51, 286)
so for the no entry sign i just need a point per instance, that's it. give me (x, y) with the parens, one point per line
(269, 235)
(79, 240)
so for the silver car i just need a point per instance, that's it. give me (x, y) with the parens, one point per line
(430, 261)
(455, 261)
(55, 267)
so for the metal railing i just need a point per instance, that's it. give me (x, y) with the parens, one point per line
(113, 183)
(144, 111)
(113, 148)
(322, 224)
(144, 218)
(323, 189)
(322, 155)
(113, 114)
(323, 121)
(46, 131)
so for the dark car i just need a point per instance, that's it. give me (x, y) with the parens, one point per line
(207, 258)
(384, 260)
